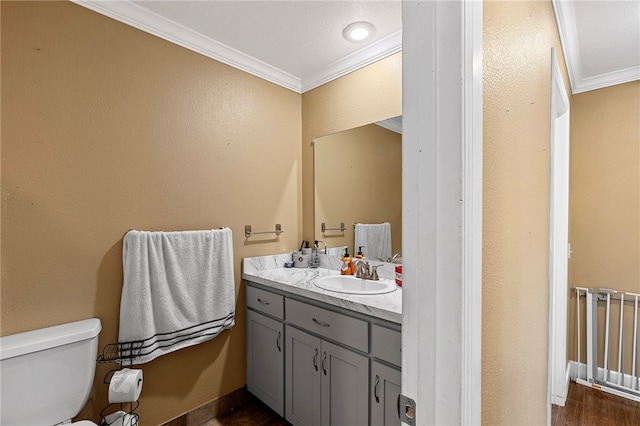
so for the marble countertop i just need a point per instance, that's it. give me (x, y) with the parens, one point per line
(269, 271)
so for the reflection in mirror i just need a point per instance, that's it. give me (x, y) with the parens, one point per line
(358, 179)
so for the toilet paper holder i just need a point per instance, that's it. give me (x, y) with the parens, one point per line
(107, 418)
(126, 408)
(119, 412)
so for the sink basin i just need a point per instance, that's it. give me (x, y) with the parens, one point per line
(352, 285)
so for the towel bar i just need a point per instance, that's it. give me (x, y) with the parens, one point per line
(248, 232)
(354, 225)
(341, 229)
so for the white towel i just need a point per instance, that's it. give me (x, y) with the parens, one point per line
(178, 291)
(375, 238)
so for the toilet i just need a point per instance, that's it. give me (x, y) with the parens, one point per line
(46, 375)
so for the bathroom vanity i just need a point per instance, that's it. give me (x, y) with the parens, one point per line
(318, 357)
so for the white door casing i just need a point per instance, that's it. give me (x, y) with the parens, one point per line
(442, 210)
(558, 237)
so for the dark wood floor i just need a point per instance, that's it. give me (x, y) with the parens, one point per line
(253, 413)
(586, 406)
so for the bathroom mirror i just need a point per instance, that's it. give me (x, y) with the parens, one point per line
(358, 179)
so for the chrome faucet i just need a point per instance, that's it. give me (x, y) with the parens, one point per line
(363, 271)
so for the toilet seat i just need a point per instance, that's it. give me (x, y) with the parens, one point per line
(84, 423)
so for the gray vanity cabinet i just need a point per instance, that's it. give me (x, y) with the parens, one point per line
(303, 375)
(386, 376)
(318, 365)
(345, 386)
(385, 383)
(265, 349)
(326, 384)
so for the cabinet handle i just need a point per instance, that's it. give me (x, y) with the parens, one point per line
(321, 323)
(375, 389)
(324, 363)
(264, 302)
(315, 360)
(278, 341)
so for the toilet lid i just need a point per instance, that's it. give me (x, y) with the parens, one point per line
(84, 423)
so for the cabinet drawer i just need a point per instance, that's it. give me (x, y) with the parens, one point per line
(265, 301)
(386, 344)
(332, 325)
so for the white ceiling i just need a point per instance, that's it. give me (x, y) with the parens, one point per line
(601, 41)
(299, 44)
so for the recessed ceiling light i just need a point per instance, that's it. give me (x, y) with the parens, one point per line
(359, 31)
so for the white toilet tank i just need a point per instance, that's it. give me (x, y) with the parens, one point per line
(46, 375)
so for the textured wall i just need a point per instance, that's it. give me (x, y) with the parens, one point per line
(106, 128)
(358, 178)
(605, 188)
(367, 95)
(605, 198)
(518, 37)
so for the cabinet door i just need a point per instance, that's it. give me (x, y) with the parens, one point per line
(385, 388)
(302, 378)
(265, 360)
(345, 386)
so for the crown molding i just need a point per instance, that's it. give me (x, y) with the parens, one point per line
(384, 47)
(143, 19)
(606, 80)
(565, 19)
(138, 17)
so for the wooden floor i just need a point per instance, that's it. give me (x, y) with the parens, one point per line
(253, 413)
(585, 406)
(588, 406)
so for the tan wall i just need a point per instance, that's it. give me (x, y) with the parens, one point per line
(105, 129)
(518, 37)
(358, 178)
(605, 197)
(605, 188)
(367, 95)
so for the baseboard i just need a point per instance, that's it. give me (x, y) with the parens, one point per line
(579, 374)
(562, 398)
(210, 410)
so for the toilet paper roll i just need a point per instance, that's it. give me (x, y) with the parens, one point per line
(126, 420)
(125, 386)
(111, 418)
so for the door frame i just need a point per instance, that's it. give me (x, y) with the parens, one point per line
(558, 238)
(442, 210)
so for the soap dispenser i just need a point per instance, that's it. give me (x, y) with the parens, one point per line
(347, 263)
(315, 258)
(359, 255)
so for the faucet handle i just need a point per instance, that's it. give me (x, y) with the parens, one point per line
(374, 272)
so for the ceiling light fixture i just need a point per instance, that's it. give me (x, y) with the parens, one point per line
(359, 31)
